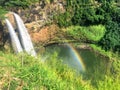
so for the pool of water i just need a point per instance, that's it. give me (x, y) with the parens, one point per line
(83, 60)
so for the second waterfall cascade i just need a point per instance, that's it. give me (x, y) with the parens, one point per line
(23, 41)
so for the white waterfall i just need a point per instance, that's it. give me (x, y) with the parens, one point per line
(14, 38)
(24, 36)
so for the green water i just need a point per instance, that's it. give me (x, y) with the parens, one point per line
(96, 66)
(93, 62)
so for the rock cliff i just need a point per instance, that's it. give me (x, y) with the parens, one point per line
(38, 19)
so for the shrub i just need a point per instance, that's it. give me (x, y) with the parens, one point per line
(111, 39)
(63, 19)
(88, 34)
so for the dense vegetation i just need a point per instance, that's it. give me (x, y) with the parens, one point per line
(89, 34)
(111, 39)
(90, 12)
(16, 3)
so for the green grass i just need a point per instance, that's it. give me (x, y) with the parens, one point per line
(90, 33)
(112, 56)
(28, 73)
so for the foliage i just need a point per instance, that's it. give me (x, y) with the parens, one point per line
(63, 19)
(89, 12)
(2, 12)
(115, 62)
(89, 34)
(108, 84)
(92, 13)
(6, 5)
(85, 14)
(111, 39)
(109, 11)
(109, 54)
(17, 3)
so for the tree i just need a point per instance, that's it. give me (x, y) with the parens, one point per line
(111, 39)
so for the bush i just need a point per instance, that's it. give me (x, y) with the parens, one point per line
(111, 39)
(63, 19)
(88, 34)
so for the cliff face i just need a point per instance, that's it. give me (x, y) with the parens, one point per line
(39, 22)
(46, 35)
(41, 12)
(38, 19)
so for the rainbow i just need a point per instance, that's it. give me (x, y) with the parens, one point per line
(77, 57)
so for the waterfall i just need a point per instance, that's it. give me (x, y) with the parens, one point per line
(23, 42)
(14, 38)
(24, 36)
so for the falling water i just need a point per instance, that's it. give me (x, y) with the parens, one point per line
(24, 36)
(14, 39)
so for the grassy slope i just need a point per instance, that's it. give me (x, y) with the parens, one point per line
(25, 72)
